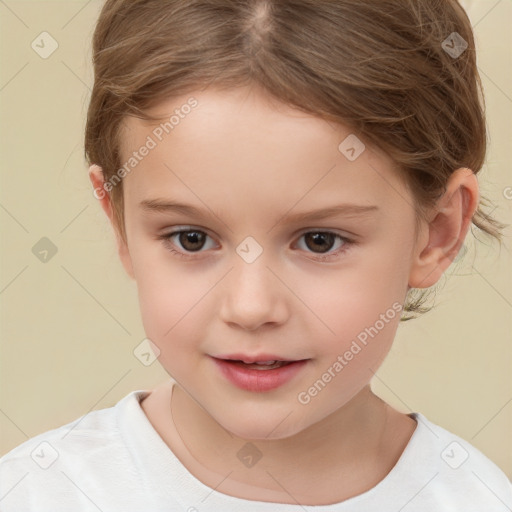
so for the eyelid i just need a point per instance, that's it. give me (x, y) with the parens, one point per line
(336, 231)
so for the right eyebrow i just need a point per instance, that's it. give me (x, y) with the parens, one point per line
(166, 206)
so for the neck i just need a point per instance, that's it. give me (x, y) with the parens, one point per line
(359, 443)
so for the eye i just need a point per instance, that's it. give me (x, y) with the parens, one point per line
(323, 241)
(319, 242)
(191, 240)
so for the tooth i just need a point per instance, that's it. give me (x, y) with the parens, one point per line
(262, 367)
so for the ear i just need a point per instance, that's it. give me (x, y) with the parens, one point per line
(446, 229)
(100, 192)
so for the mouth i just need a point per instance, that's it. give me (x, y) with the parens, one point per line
(259, 373)
(260, 365)
(259, 361)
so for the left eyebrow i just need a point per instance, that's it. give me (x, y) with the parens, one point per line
(349, 210)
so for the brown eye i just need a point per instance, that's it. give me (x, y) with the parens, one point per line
(323, 245)
(192, 240)
(320, 242)
(186, 242)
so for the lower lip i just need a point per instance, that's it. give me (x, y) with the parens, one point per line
(259, 380)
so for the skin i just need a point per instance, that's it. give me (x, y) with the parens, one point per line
(252, 161)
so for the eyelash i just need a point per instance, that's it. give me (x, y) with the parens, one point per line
(347, 243)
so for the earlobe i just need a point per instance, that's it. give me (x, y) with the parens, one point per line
(446, 231)
(97, 180)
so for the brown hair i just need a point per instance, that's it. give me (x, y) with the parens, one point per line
(379, 67)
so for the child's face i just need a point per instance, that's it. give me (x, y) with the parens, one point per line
(254, 165)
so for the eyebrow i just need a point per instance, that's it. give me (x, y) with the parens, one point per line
(349, 210)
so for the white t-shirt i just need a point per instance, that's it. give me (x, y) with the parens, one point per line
(114, 460)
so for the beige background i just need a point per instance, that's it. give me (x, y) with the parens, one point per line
(69, 326)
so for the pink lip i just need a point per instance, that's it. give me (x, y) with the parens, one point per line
(253, 359)
(259, 380)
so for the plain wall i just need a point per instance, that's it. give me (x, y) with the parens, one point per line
(69, 326)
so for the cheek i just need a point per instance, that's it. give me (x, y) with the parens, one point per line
(359, 322)
(176, 310)
(356, 314)
(347, 302)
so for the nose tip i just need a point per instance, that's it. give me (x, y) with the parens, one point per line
(252, 297)
(250, 319)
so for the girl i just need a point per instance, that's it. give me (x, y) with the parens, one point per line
(284, 180)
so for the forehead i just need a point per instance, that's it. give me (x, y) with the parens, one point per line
(242, 140)
(244, 113)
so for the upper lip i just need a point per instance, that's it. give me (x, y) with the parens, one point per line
(259, 358)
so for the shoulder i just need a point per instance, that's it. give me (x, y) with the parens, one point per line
(89, 448)
(89, 429)
(459, 474)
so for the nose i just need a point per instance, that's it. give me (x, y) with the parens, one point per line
(252, 296)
